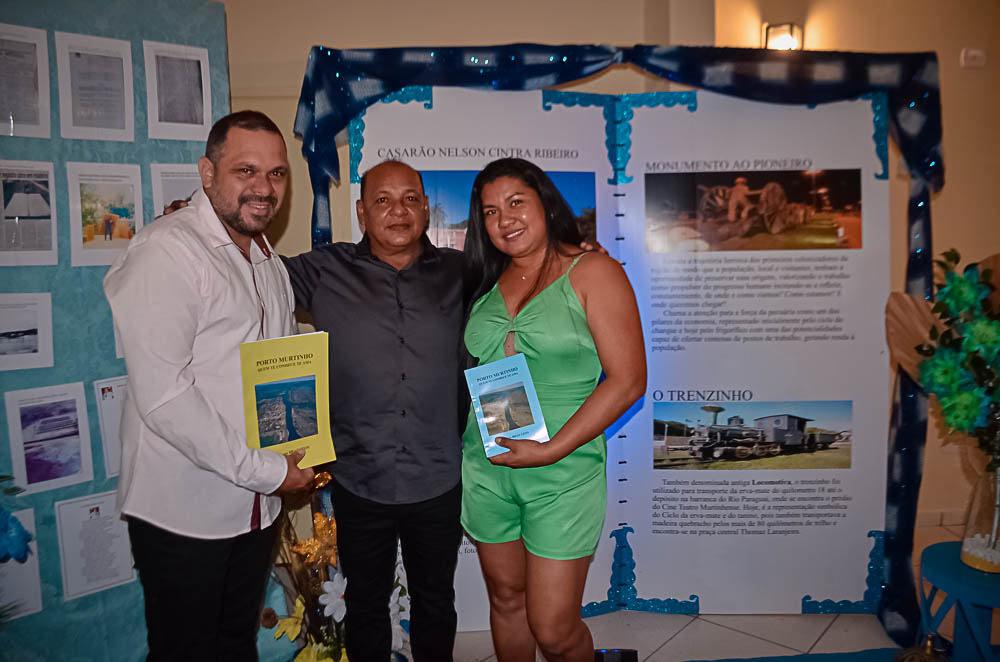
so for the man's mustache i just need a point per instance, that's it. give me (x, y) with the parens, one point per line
(271, 199)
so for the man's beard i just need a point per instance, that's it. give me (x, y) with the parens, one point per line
(235, 221)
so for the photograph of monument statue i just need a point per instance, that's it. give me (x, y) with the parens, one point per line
(753, 210)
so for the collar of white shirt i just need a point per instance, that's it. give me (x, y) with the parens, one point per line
(214, 229)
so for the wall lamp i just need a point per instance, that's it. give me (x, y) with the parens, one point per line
(782, 36)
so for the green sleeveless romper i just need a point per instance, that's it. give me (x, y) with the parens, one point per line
(558, 510)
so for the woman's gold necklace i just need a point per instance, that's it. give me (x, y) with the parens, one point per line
(533, 270)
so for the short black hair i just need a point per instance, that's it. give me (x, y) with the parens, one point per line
(250, 120)
(364, 177)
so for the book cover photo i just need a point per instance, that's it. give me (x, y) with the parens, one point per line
(505, 403)
(286, 396)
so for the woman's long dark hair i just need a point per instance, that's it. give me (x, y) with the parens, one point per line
(484, 262)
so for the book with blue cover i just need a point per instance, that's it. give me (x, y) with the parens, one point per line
(505, 403)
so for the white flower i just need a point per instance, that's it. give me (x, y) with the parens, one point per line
(399, 606)
(400, 571)
(399, 610)
(333, 597)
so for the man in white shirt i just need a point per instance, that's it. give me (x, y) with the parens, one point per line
(200, 505)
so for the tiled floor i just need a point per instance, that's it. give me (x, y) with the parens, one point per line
(676, 638)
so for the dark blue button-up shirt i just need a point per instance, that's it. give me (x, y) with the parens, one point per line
(394, 366)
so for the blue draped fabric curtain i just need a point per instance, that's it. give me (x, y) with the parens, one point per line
(340, 84)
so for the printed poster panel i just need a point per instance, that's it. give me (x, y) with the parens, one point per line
(755, 237)
(26, 331)
(757, 240)
(449, 144)
(173, 181)
(49, 437)
(178, 91)
(110, 395)
(94, 548)
(105, 210)
(24, 81)
(27, 214)
(449, 153)
(95, 87)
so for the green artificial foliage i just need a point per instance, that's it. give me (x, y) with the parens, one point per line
(963, 368)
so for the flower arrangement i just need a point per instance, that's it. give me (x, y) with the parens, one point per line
(303, 568)
(399, 613)
(962, 368)
(307, 571)
(958, 361)
(14, 539)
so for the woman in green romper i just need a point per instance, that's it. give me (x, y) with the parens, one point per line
(537, 511)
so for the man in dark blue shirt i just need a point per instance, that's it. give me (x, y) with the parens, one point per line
(392, 304)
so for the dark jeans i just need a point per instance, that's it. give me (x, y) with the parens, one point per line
(430, 534)
(203, 597)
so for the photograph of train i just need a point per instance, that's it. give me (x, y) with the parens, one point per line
(810, 434)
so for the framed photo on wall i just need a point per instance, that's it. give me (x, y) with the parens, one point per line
(109, 395)
(178, 91)
(27, 214)
(25, 331)
(105, 210)
(24, 81)
(95, 87)
(173, 181)
(90, 532)
(49, 437)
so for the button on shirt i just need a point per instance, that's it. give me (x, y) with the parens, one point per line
(394, 377)
(183, 298)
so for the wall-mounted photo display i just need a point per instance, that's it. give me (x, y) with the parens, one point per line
(24, 82)
(178, 91)
(173, 181)
(27, 214)
(49, 437)
(20, 582)
(105, 210)
(109, 394)
(25, 331)
(92, 536)
(95, 87)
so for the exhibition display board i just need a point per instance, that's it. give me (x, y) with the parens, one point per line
(339, 86)
(756, 239)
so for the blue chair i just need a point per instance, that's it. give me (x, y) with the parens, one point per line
(973, 593)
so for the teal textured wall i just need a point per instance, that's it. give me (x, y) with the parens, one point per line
(107, 625)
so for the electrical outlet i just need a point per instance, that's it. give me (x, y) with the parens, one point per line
(972, 58)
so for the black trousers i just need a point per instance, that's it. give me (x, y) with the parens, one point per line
(430, 534)
(203, 597)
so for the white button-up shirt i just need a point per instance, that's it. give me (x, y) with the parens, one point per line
(183, 299)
